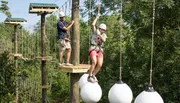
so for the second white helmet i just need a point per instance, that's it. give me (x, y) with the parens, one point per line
(102, 26)
(61, 14)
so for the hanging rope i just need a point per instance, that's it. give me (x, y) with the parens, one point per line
(152, 45)
(90, 12)
(22, 46)
(65, 8)
(99, 7)
(70, 7)
(120, 42)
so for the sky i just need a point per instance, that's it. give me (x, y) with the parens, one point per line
(20, 9)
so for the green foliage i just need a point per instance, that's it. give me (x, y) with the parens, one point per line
(7, 78)
(137, 46)
(4, 8)
(29, 82)
(60, 87)
(5, 37)
(85, 36)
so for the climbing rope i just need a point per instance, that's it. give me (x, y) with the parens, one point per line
(120, 41)
(90, 12)
(99, 7)
(152, 45)
(22, 46)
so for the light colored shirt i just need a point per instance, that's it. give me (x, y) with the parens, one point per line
(96, 41)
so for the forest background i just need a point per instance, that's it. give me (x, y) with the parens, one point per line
(136, 49)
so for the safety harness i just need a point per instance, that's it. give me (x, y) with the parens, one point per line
(100, 46)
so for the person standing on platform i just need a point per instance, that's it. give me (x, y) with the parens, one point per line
(64, 40)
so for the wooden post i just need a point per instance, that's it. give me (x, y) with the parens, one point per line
(43, 62)
(15, 59)
(76, 33)
(15, 46)
(74, 96)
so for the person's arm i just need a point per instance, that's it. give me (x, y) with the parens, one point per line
(68, 27)
(94, 23)
(102, 37)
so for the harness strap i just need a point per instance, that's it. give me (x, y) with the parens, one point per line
(100, 50)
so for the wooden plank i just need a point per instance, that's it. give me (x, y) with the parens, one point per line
(43, 9)
(81, 68)
(15, 23)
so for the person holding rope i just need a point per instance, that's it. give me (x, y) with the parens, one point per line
(64, 40)
(96, 49)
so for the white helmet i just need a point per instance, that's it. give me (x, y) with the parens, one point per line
(102, 26)
(61, 14)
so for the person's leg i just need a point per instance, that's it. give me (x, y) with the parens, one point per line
(61, 56)
(94, 61)
(68, 55)
(99, 63)
(61, 50)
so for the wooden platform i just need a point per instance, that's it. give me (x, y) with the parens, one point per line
(81, 68)
(39, 8)
(15, 21)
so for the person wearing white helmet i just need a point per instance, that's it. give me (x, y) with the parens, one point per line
(96, 49)
(64, 41)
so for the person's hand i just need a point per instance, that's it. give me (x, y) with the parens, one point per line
(98, 33)
(98, 15)
(72, 22)
(66, 39)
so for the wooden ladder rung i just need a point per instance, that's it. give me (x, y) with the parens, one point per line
(45, 86)
(16, 55)
(45, 58)
(14, 101)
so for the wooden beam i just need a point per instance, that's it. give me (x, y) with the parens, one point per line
(43, 9)
(15, 23)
